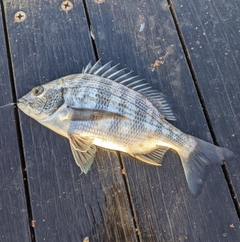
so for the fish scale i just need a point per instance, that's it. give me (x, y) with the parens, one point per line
(109, 108)
(130, 98)
(136, 103)
(116, 100)
(104, 95)
(122, 105)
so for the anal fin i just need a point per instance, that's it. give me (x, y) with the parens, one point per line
(154, 157)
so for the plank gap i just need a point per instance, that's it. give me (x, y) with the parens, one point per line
(203, 104)
(94, 44)
(231, 188)
(131, 203)
(17, 125)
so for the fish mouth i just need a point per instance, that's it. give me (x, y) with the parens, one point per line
(22, 103)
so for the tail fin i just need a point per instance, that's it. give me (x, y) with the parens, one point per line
(196, 165)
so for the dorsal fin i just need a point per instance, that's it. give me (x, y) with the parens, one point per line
(134, 82)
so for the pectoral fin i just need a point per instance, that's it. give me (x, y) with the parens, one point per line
(84, 114)
(80, 143)
(84, 159)
(154, 157)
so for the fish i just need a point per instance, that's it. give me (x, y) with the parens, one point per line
(108, 107)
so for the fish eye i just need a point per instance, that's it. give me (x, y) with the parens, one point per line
(37, 90)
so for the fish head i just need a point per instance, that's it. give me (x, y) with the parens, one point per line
(42, 101)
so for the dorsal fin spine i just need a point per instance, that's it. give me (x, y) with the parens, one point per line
(127, 80)
(109, 72)
(96, 66)
(136, 87)
(123, 77)
(87, 68)
(143, 89)
(116, 75)
(136, 82)
(101, 69)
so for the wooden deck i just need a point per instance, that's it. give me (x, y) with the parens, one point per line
(195, 47)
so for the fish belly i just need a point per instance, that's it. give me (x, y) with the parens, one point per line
(130, 138)
(109, 145)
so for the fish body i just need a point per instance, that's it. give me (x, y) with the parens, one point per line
(106, 107)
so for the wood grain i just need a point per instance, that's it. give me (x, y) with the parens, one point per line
(66, 205)
(13, 210)
(211, 31)
(164, 208)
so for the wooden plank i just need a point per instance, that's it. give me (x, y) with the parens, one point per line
(66, 205)
(137, 34)
(211, 31)
(13, 210)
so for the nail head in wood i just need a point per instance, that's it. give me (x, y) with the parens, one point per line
(99, 1)
(19, 16)
(66, 6)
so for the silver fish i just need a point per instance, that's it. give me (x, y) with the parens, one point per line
(108, 108)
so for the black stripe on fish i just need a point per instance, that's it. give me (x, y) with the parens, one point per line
(85, 114)
(121, 108)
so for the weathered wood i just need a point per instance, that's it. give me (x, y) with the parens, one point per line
(66, 205)
(139, 34)
(211, 32)
(13, 210)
